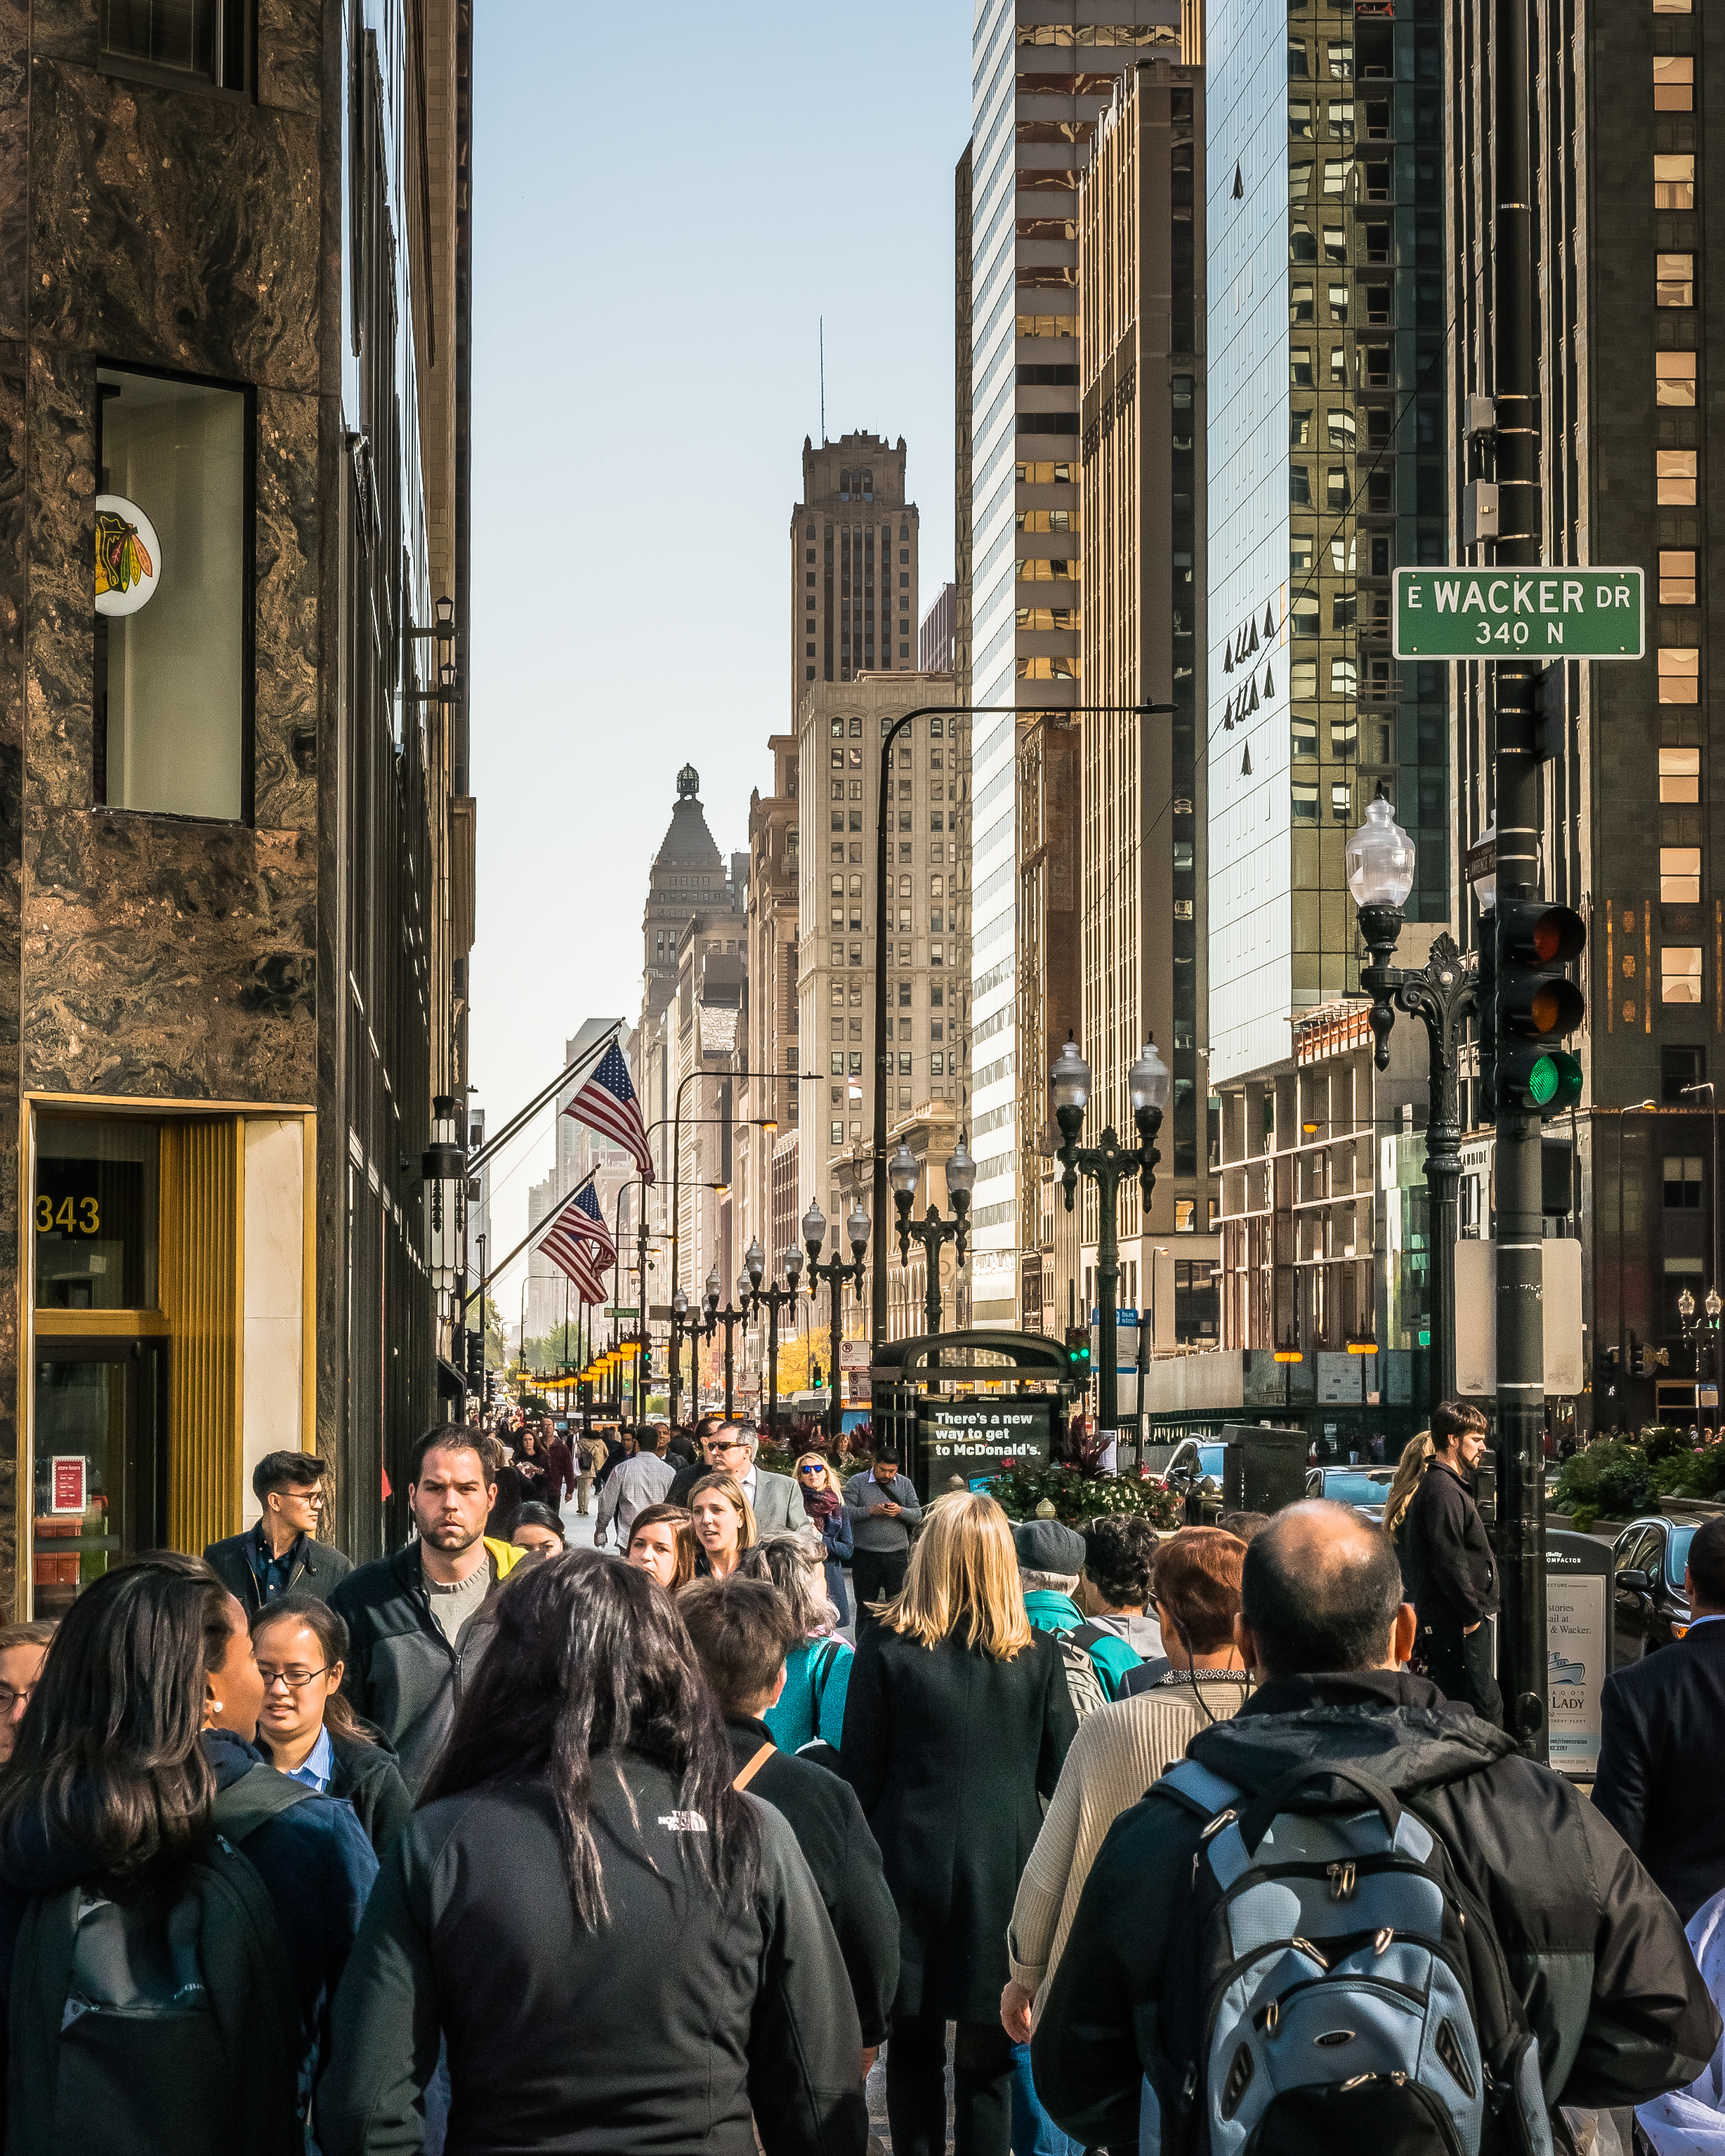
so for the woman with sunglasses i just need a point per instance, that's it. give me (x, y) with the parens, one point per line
(824, 1502)
(306, 1727)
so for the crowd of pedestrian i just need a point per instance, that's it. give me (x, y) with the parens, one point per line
(1113, 1840)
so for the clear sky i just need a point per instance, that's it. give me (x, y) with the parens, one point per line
(665, 206)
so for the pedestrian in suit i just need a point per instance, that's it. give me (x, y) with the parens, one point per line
(1662, 1743)
(731, 1449)
(282, 1555)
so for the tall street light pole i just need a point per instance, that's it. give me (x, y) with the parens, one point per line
(877, 1296)
(835, 1272)
(729, 1317)
(774, 1297)
(1706, 1085)
(1108, 1165)
(1443, 994)
(931, 1231)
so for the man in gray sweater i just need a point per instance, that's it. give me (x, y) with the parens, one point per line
(883, 1508)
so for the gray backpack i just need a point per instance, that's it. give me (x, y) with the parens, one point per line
(1348, 1993)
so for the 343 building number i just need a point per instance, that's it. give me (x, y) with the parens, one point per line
(72, 1216)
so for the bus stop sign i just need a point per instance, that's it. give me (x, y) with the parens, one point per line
(1540, 614)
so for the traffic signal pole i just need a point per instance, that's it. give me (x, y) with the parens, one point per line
(1522, 1643)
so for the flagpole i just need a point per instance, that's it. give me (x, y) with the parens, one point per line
(589, 1055)
(538, 1228)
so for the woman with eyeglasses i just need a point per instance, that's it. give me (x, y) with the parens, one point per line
(306, 1727)
(824, 1502)
(724, 1525)
(24, 1649)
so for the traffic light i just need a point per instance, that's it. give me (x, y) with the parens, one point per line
(475, 1344)
(1535, 1004)
(1485, 1002)
(1551, 710)
(1078, 1351)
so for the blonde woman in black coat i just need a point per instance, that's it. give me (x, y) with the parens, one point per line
(956, 1724)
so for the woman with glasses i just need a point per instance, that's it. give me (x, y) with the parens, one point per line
(824, 1502)
(661, 1541)
(24, 1649)
(724, 1525)
(306, 1727)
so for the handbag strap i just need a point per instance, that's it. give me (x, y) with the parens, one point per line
(748, 1773)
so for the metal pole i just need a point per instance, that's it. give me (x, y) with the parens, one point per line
(730, 1323)
(835, 1414)
(773, 1364)
(1521, 1376)
(931, 1285)
(1107, 1289)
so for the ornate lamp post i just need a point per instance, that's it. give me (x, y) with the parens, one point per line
(1442, 994)
(835, 1272)
(931, 1231)
(774, 1297)
(680, 1328)
(1702, 1328)
(729, 1317)
(1108, 1165)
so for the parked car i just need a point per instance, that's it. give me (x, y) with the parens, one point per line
(1366, 1489)
(1651, 1609)
(1192, 1470)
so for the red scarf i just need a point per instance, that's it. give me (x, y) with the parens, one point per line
(821, 1504)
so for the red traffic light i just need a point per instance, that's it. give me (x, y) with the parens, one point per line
(1530, 934)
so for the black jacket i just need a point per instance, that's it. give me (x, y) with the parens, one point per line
(1595, 1951)
(320, 1570)
(824, 1815)
(401, 1672)
(949, 1751)
(684, 1482)
(659, 2031)
(1662, 1764)
(1445, 1553)
(368, 1776)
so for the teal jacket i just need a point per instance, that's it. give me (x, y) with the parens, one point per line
(1111, 1657)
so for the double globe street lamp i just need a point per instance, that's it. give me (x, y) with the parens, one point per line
(931, 1231)
(835, 1272)
(1443, 994)
(774, 1297)
(1107, 1165)
(729, 1317)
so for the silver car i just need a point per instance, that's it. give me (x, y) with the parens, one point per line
(1366, 1489)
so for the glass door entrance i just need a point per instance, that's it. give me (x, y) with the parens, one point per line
(100, 1453)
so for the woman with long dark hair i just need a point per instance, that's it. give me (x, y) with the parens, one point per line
(580, 1864)
(307, 1727)
(142, 1834)
(956, 1723)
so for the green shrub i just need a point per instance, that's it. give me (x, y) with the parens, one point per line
(1077, 1498)
(1694, 1472)
(1663, 1440)
(1611, 1477)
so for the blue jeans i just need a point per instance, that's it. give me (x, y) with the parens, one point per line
(1034, 2133)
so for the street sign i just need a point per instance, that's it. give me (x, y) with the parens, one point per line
(1477, 1315)
(1543, 614)
(854, 1354)
(1481, 860)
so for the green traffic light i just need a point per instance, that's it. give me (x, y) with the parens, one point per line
(1542, 1081)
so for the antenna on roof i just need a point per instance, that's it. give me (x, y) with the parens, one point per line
(822, 381)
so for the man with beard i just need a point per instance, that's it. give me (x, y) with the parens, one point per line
(409, 1617)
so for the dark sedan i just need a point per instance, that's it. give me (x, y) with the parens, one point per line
(1651, 1610)
(1366, 1489)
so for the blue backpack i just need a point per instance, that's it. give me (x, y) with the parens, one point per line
(1351, 1994)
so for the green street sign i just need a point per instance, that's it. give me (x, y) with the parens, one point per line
(1541, 614)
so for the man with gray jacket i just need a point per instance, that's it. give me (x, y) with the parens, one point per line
(883, 1507)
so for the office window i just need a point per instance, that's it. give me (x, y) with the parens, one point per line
(1674, 281)
(856, 789)
(1300, 495)
(1673, 83)
(1679, 875)
(1303, 241)
(1344, 738)
(1302, 675)
(1341, 58)
(1673, 6)
(1679, 673)
(1341, 677)
(1675, 476)
(1300, 303)
(904, 995)
(1300, 366)
(193, 41)
(1341, 803)
(1300, 117)
(838, 733)
(1305, 736)
(1674, 183)
(1184, 1222)
(838, 1139)
(1342, 121)
(172, 597)
(1682, 1182)
(1342, 429)
(1680, 774)
(1679, 1069)
(1673, 378)
(1337, 171)
(1335, 243)
(1305, 799)
(1679, 973)
(1677, 579)
(1338, 303)
(1299, 181)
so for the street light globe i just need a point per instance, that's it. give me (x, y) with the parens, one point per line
(680, 1303)
(903, 1171)
(755, 1259)
(1069, 1079)
(1485, 885)
(712, 1284)
(857, 1228)
(814, 1225)
(791, 1262)
(1149, 1080)
(1685, 1306)
(1714, 1305)
(1380, 857)
(961, 1170)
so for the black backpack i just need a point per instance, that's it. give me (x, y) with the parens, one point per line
(161, 2020)
(1348, 1991)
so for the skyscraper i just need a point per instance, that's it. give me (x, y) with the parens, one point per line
(854, 568)
(1038, 91)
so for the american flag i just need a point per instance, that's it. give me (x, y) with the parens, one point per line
(607, 1103)
(577, 1239)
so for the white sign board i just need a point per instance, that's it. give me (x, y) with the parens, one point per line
(1338, 1380)
(1476, 1317)
(1578, 1608)
(853, 1354)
